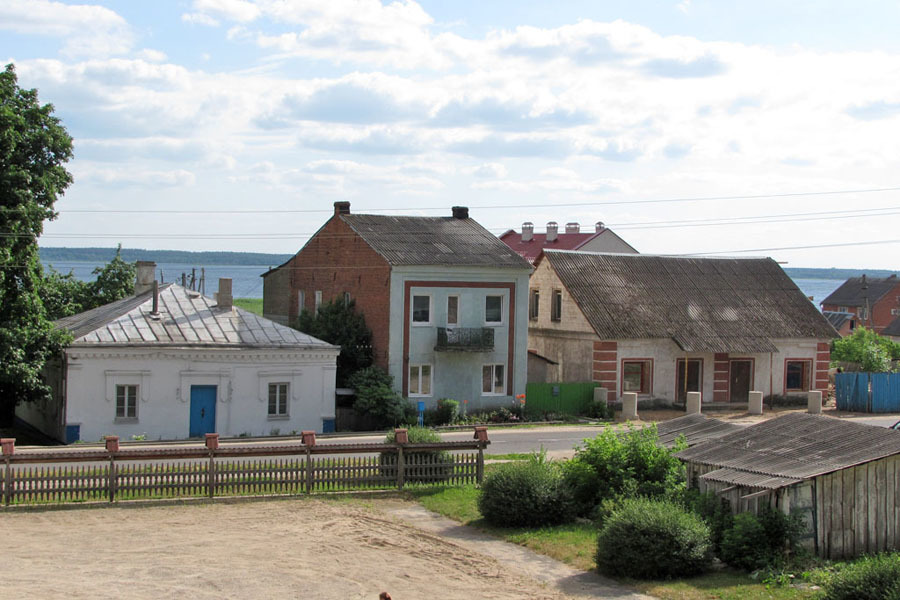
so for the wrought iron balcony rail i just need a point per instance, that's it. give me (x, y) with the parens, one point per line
(465, 339)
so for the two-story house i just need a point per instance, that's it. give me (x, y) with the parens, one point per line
(444, 298)
(873, 302)
(662, 326)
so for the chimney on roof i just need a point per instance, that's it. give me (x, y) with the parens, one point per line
(341, 207)
(224, 299)
(146, 276)
(573, 227)
(552, 229)
(460, 212)
(154, 311)
(527, 231)
(599, 226)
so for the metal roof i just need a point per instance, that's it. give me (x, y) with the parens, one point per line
(856, 291)
(703, 304)
(448, 241)
(564, 241)
(893, 328)
(837, 319)
(796, 446)
(696, 429)
(184, 318)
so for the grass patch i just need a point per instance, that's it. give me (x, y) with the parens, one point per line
(512, 456)
(724, 585)
(254, 305)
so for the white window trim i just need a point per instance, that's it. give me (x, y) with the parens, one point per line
(137, 412)
(430, 378)
(412, 310)
(493, 373)
(287, 407)
(502, 320)
(292, 377)
(138, 378)
(301, 301)
(458, 309)
(318, 297)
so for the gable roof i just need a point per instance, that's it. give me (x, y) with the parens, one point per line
(185, 318)
(792, 448)
(893, 328)
(532, 248)
(702, 304)
(851, 292)
(837, 319)
(447, 241)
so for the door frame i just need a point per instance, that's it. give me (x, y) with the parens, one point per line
(750, 383)
(680, 371)
(215, 402)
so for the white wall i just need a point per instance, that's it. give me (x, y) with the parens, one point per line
(165, 379)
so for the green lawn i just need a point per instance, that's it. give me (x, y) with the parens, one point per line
(254, 305)
(575, 544)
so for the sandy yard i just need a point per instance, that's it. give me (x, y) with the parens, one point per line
(291, 548)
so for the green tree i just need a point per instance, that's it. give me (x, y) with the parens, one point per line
(376, 398)
(338, 323)
(65, 295)
(871, 351)
(115, 281)
(34, 146)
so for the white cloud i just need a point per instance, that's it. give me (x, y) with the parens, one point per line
(151, 55)
(489, 171)
(240, 11)
(135, 177)
(199, 19)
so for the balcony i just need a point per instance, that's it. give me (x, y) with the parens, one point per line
(464, 339)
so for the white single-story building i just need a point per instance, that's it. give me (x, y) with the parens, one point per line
(170, 363)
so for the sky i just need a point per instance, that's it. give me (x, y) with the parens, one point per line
(757, 128)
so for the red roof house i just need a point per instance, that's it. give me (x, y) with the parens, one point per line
(529, 244)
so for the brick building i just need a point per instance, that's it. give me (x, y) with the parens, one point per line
(874, 302)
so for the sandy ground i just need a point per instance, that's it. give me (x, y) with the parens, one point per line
(289, 548)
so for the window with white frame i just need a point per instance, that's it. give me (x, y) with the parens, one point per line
(278, 399)
(493, 382)
(318, 300)
(301, 301)
(126, 401)
(452, 310)
(419, 380)
(493, 309)
(346, 297)
(534, 305)
(421, 309)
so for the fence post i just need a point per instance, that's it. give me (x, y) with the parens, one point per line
(814, 402)
(9, 448)
(309, 440)
(112, 446)
(481, 435)
(401, 436)
(212, 443)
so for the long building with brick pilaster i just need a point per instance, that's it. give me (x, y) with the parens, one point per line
(663, 326)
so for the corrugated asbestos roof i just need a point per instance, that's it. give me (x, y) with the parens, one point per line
(851, 292)
(748, 479)
(795, 446)
(703, 304)
(837, 319)
(410, 241)
(696, 429)
(185, 318)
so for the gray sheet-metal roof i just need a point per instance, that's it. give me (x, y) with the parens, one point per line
(797, 446)
(696, 429)
(748, 479)
(837, 319)
(703, 304)
(410, 241)
(185, 318)
(856, 291)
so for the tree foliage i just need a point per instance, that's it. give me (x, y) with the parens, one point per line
(65, 295)
(34, 146)
(338, 323)
(871, 351)
(375, 396)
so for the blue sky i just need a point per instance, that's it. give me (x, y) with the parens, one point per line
(689, 127)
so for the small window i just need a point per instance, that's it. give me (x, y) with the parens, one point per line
(493, 309)
(278, 399)
(796, 377)
(421, 309)
(842, 309)
(493, 383)
(301, 301)
(452, 310)
(534, 305)
(636, 376)
(420, 380)
(346, 297)
(126, 401)
(556, 306)
(318, 300)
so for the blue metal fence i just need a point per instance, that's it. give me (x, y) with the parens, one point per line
(868, 392)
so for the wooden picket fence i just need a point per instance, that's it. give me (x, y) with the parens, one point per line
(236, 469)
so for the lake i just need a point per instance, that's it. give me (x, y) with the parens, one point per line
(247, 283)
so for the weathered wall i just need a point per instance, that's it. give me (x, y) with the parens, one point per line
(277, 294)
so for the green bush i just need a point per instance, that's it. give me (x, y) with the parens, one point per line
(376, 398)
(526, 494)
(617, 463)
(653, 539)
(869, 578)
(446, 413)
(424, 466)
(713, 509)
(600, 410)
(758, 541)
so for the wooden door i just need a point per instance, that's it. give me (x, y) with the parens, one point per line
(739, 380)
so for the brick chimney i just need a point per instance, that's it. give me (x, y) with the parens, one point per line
(552, 229)
(573, 227)
(527, 231)
(599, 226)
(224, 299)
(146, 275)
(460, 212)
(341, 207)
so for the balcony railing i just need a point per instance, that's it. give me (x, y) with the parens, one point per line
(465, 339)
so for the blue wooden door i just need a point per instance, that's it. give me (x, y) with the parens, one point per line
(203, 410)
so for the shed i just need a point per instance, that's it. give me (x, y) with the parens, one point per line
(842, 477)
(695, 429)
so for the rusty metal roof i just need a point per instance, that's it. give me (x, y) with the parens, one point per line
(703, 304)
(796, 446)
(184, 318)
(449, 241)
(696, 429)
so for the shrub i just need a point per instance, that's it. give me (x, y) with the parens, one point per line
(526, 494)
(424, 466)
(757, 541)
(376, 398)
(619, 463)
(653, 539)
(446, 413)
(600, 410)
(714, 510)
(869, 578)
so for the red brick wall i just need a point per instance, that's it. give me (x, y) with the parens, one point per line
(337, 260)
(721, 372)
(881, 312)
(606, 358)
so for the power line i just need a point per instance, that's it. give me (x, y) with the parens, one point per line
(840, 245)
